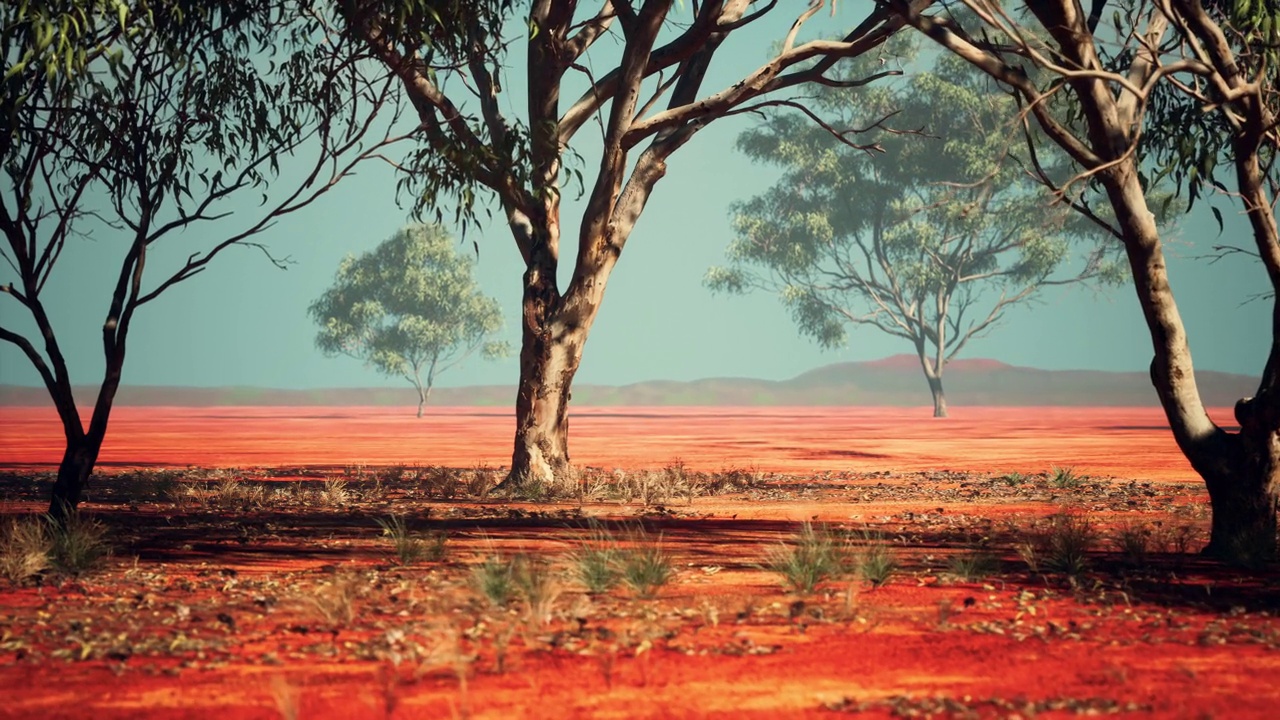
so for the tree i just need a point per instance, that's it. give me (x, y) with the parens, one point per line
(1205, 60)
(409, 304)
(913, 242)
(647, 103)
(140, 121)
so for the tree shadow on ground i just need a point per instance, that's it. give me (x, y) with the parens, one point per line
(271, 539)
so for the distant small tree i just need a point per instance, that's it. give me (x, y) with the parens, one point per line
(932, 239)
(409, 305)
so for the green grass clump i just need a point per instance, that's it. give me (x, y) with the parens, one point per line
(1065, 479)
(1135, 542)
(973, 564)
(537, 585)
(1063, 545)
(1013, 479)
(502, 579)
(812, 559)
(645, 566)
(495, 579)
(78, 543)
(596, 562)
(409, 546)
(875, 561)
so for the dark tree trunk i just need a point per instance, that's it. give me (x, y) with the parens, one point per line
(423, 393)
(82, 446)
(73, 474)
(1244, 487)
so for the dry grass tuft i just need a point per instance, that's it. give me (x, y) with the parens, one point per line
(25, 544)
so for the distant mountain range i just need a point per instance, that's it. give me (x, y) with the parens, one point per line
(893, 381)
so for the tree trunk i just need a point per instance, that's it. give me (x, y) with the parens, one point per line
(1239, 469)
(548, 363)
(1244, 486)
(82, 450)
(939, 397)
(422, 397)
(415, 378)
(933, 374)
(554, 331)
(73, 474)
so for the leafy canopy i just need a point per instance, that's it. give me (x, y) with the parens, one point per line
(409, 303)
(906, 235)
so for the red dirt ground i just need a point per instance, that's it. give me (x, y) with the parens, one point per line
(206, 609)
(1122, 442)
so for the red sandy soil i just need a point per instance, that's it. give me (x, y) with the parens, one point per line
(207, 608)
(1122, 442)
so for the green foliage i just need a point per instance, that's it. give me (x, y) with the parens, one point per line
(190, 73)
(410, 547)
(910, 240)
(1182, 139)
(814, 557)
(409, 305)
(973, 564)
(645, 566)
(1065, 479)
(452, 172)
(597, 561)
(875, 561)
(495, 579)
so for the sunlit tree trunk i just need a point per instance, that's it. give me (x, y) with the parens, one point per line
(1241, 470)
(554, 331)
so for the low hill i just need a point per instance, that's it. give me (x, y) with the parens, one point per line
(893, 381)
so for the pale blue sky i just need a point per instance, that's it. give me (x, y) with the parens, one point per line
(243, 322)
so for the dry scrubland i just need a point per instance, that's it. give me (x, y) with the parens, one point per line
(326, 591)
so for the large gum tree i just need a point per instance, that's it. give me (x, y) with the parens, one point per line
(130, 123)
(647, 100)
(1176, 87)
(932, 240)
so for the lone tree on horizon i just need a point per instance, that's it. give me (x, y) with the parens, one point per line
(931, 237)
(411, 304)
